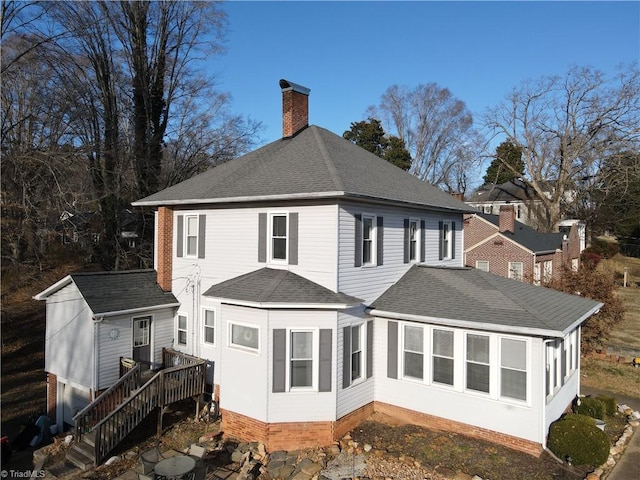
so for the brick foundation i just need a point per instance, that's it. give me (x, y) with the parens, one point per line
(438, 423)
(52, 396)
(300, 435)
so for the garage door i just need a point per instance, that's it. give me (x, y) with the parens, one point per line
(74, 400)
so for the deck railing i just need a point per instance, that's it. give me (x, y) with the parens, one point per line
(183, 378)
(87, 418)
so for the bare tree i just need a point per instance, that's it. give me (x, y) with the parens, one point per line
(566, 126)
(436, 128)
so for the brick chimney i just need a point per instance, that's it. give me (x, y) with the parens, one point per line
(295, 108)
(164, 266)
(507, 219)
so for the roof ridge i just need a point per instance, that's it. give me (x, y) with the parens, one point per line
(279, 276)
(111, 272)
(337, 181)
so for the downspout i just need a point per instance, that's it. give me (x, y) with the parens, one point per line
(97, 320)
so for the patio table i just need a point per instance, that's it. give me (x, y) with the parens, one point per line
(174, 467)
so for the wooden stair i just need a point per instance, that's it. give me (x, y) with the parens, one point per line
(104, 423)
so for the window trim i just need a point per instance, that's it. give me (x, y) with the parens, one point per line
(478, 262)
(418, 247)
(205, 326)
(149, 319)
(520, 273)
(403, 351)
(184, 330)
(526, 371)
(271, 237)
(475, 362)
(315, 360)
(238, 346)
(433, 329)
(373, 240)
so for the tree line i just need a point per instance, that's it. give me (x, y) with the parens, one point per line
(107, 102)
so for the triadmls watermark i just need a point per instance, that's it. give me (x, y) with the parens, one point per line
(22, 474)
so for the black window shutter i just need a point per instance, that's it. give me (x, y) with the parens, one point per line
(453, 239)
(423, 246)
(392, 349)
(357, 262)
(380, 240)
(202, 229)
(346, 357)
(279, 359)
(262, 237)
(370, 349)
(406, 240)
(324, 382)
(293, 238)
(180, 236)
(440, 241)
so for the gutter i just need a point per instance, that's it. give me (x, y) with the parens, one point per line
(101, 316)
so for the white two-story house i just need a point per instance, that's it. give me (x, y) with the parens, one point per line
(323, 284)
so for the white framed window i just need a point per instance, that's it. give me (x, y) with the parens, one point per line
(442, 357)
(301, 355)
(575, 264)
(279, 237)
(141, 331)
(516, 271)
(477, 363)
(246, 337)
(182, 329)
(413, 352)
(446, 240)
(368, 240)
(191, 235)
(482, 265)
(536, 274)
(487, 209)
(414, 243)
(513, 368)
(357, 358)
(547, 270)
(209, 325)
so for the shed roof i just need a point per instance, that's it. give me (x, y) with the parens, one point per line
(474, 299)
(109, 293)
(269, 287)
(315, 163)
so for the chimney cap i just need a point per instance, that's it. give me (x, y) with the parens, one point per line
(287, 85)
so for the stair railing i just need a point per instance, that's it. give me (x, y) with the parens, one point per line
(106, 402)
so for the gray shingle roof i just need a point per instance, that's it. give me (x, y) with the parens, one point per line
(482, 300)
(513, 190)
(272, 286)
(528, 237)
(313, 163)
(107, 292)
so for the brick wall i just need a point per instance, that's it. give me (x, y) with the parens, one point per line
(352, 420)
(165, 248)
(295, 112)
(476, 230)
(499, 251)
(52, 396)
(437, 423)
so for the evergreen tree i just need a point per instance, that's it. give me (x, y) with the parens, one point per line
(506, 165)
(370, 135)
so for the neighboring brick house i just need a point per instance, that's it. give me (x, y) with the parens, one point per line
(502, 245)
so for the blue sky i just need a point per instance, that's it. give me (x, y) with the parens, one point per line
(349, 53)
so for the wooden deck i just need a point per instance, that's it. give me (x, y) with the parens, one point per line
(105, 422)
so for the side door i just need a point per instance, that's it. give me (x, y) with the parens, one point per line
(142, 341)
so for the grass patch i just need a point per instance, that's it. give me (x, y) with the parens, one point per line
(616, 378)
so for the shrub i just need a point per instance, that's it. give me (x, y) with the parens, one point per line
(591, 407)
(586, 444)
(577, 417)
(610, 404)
